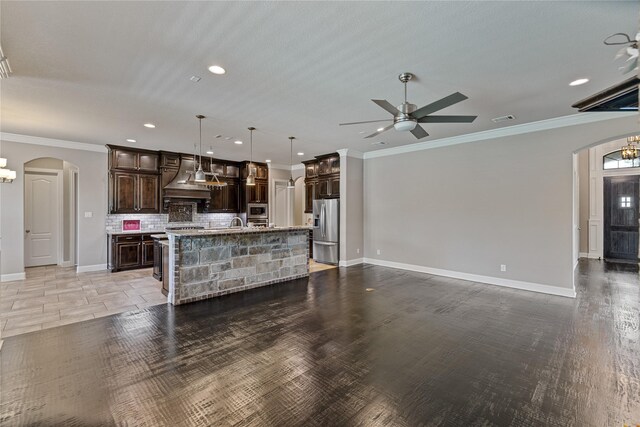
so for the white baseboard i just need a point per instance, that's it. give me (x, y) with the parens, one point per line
(67, 264)
(516, 284)
(351, 262)
(88, 268)
(13, 276)
(583, 254)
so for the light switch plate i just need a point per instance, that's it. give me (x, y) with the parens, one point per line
(88, 214)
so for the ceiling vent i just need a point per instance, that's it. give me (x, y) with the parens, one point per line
(621, 97)
(503, 118)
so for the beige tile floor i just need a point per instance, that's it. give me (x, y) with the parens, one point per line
(316, 266)
(53, 296)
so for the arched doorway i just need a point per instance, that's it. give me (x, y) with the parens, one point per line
(50, 212)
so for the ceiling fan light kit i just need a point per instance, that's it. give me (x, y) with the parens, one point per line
(407, 117)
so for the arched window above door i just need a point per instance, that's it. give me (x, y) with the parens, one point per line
(614, 160)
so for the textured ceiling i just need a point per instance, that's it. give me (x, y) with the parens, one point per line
(96, 71)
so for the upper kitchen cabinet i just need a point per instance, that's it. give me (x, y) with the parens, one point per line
(328, 164)
(133, 193)
(123, 158)
(134, 183)
(261, 170)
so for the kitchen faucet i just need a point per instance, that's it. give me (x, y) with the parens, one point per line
(232, 221)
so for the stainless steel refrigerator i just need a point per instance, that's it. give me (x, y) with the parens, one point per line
(326, 230)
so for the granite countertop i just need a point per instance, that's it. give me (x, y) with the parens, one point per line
(238, 230)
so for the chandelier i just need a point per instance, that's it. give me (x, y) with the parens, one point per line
(6, 175)
(630, 151)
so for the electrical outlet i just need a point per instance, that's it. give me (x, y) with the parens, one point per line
(503, 267)
(378, 251)
(358, 250)
(88, 214)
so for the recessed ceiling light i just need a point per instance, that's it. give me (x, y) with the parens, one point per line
(268, 160)
(131, 140)
(237, 142)
(195, 79)
(578, 82)
(149, 125)
(209, 152)
(216, 69)
(380, 129)
(301, 154)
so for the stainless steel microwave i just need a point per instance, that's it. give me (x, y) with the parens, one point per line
(257, 210)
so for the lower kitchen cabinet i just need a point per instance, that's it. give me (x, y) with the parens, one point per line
(128, 252)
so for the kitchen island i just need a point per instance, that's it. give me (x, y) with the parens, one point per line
(209, 263)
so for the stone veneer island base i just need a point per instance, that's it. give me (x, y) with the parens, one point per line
(209, 263)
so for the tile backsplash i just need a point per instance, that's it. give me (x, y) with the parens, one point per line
(158, 222)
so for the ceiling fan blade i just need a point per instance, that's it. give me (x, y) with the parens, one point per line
(386, 105)
(380, 131)
(419, 132)
(445, 102)
(369, 121)
(447, 119)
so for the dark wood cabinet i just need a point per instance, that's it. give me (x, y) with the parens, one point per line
(128, 252)
(147, 256)
(123, 158)
(134, 183)
(128, 255)
(169, 160)
(322, 179)
(309, 194)
(134, 193)
(227, 198)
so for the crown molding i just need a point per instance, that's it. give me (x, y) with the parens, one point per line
(557, 122)
(50, 142)
(348, 152)
(297, 166)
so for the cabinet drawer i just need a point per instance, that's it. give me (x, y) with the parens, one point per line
(133, 238)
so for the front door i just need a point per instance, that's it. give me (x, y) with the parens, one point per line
(621, 217)
(41, 222)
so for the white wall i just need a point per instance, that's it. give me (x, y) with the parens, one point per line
(471, 207)
(92, 197)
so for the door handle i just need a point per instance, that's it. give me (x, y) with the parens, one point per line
(27, 231)
(324, 243)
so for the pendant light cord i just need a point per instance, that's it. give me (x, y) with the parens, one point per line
(200, 126)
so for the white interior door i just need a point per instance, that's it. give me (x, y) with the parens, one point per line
(282, 200)
(42, 221)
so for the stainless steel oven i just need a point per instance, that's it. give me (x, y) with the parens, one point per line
(257, 211)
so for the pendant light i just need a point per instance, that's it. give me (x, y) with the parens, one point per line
(6, 175)
(200, 176)
(291, 183)
(251, 178)
(630, 152)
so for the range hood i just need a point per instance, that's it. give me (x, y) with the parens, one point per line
(621, 97)
(182, 185)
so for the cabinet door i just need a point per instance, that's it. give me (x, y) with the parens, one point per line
(147, 254)
(148, 162)
(335, 165)
(232, 171)
(324, 166)
(334, 186)
(262, 172)
(124, 192)
(148, 198)
(250, 193)
(232, 199)
(128, 255)
(323, 188)
(309, 195)
(311, 170)
(217, 168)
(262, 190)
(122, 159)
(217, 199)
(170, 160)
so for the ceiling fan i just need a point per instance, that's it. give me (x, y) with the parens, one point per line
(406, 117)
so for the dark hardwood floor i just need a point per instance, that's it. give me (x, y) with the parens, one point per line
(416, 350)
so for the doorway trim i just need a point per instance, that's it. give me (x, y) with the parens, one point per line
(289, 205)
(60, 192)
